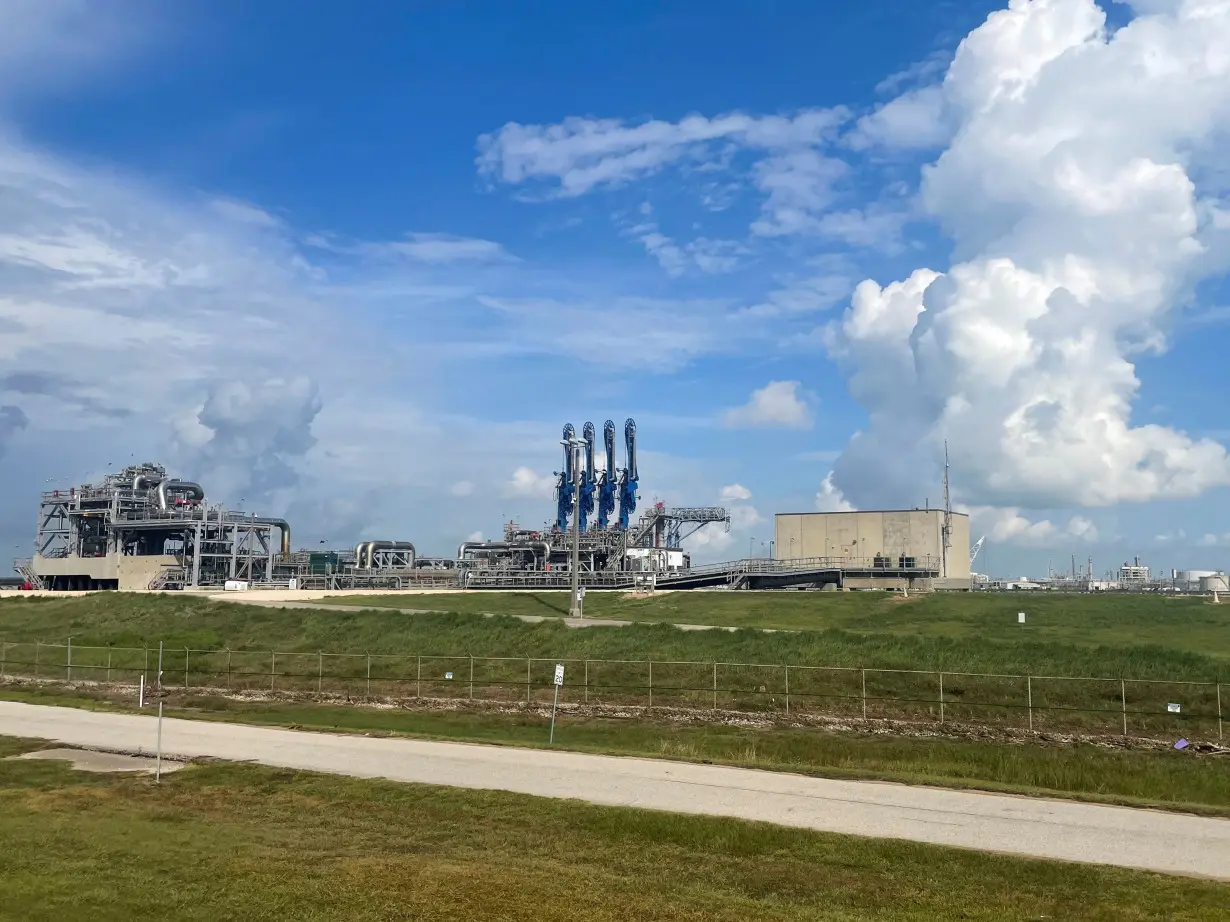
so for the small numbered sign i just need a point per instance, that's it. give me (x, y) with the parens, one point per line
(559, 673)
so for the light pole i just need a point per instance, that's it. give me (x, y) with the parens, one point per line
(574, 452)
(770, 549)
(751, 547)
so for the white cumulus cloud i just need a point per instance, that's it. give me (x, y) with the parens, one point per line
(777, 404)
(829, 498)
(462, 488)
(525, 482)
(1008, 525)
(735, 492)
(1079, 193)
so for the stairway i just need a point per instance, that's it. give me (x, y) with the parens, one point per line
(169, 579)
(25, 569)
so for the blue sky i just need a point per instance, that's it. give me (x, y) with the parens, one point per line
(359, 264)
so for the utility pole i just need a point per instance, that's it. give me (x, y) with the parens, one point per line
(574, 609)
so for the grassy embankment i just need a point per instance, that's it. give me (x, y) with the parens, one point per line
(230, 841)
(1166, 641)
(1166, 778)
(1085, 620)
(967, 637)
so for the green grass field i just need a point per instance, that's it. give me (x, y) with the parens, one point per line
(245, 842)
(1163, 779)
(1133, 637)
(413, 655)
(1082, 620)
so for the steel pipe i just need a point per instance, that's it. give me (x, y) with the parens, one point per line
(530, 546)
(177, 486)
(283, 526)
(370, 548)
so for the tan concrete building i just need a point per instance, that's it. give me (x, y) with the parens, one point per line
(887, 542)
(112, 571)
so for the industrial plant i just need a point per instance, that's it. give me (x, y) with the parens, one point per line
(141, 528)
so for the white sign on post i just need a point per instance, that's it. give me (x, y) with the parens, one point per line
(1173, 708)
(1020, 617)
(559, 680)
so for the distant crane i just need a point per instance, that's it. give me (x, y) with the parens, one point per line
(564, 489)
(606, 486)
(628, 479)
(973, 555)
(585, 499)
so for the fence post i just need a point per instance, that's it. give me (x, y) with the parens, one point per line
(273, 669)
(587, 681)
(651, 683)
(418, 676)
(471, 676)
(787, 691)
(715, 686)
(69, 668)
(320, 671)
(108, 663)
(1219, 736)
(864, 672)
(1029, 699)
(145, 660)
(527, 680)
(228, 667)
(37, 645)
(369, 675)
(1123, 698)
(185, 668)
(941, 697)
(4, 655)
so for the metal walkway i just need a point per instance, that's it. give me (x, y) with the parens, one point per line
(750, 573)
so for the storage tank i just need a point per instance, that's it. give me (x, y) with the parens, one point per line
(1192, 577)
(1217, 582)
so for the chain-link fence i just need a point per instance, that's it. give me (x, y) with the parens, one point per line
(1140, 707)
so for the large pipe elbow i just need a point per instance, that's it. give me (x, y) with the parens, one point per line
(284, 527)
(373, 546)
(365, 552)
(145, 481)
(281, 525)
(193, 490)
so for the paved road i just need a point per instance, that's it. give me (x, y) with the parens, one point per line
(1152, 840)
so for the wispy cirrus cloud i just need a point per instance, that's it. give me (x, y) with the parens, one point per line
(788, 165)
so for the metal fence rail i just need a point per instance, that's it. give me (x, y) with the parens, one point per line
(1145, 707)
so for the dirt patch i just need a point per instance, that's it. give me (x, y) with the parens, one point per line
(87, 760)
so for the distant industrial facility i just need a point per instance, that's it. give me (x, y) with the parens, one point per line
(141, 528)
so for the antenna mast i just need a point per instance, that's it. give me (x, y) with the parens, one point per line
(946, 531)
